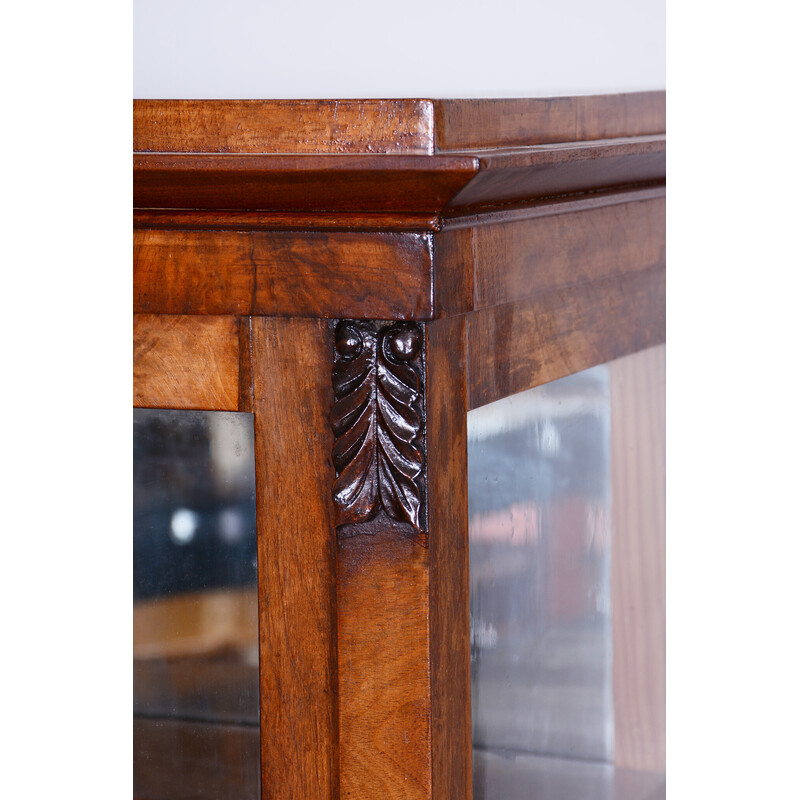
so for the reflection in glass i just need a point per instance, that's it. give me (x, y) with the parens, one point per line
(539, 499)
(195, 626)
(556, 713)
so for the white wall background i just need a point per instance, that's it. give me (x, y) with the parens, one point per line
(357, 49)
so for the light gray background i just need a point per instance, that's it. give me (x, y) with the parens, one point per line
(357, 49)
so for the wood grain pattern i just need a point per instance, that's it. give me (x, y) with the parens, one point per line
(490, 265)
(283, 126)
(388, 126)
(451, 720)
(384, 671)
(463, 124)
(519, 345)
(185, 362)
(638, 588)
(296, 558)
(283, 273)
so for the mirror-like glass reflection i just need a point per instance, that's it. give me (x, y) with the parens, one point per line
(568, 648)
(539, 500)
(195, 617)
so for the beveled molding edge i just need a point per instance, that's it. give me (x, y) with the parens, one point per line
(378, 422)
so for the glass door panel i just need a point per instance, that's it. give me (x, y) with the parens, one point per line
(566, 488)
(195, 611)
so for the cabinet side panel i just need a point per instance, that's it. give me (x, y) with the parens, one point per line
(521, 260)
(519, 345)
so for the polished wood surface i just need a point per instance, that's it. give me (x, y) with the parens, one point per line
(389, 126)
(520, 345)
(299, 183)
(292, 396)
(338, 165)
(526, 174)
(283, 273)
(166, 353)
(315, 231)
(451, 719)
(391, 275)
(283, 126)
(246, 399)
(192, 220)
(403, 617)
(638, 585)
(465, 124)
(488, 265)
(384, 670)
(415, 185)
(546, 207)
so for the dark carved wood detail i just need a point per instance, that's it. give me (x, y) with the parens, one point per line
(377, 420)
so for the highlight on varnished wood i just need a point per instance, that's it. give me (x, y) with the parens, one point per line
(283, 126)
(322, 183)
(185, 362)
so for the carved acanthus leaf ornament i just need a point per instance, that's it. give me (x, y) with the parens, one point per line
(377, 422)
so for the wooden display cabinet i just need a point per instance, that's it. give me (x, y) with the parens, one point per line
(358, 276)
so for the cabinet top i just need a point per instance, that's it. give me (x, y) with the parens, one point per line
(394, 209)
(410, 127)
(417, 160)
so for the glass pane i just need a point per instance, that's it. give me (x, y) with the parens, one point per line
(195, 616)
(546, 469)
